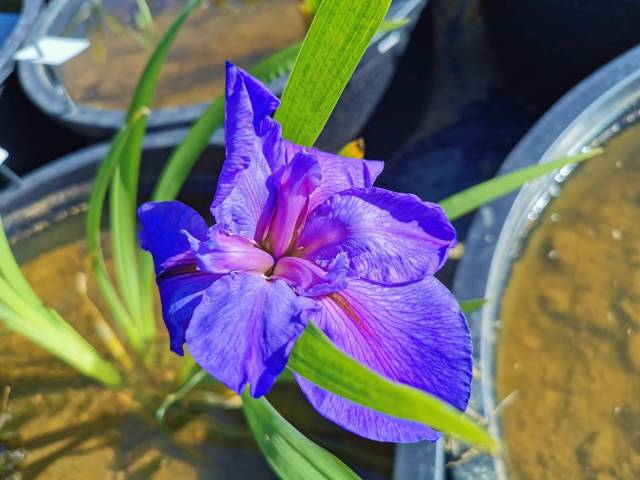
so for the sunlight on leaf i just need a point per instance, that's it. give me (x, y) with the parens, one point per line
(464, 202)
(291, 455)
(337, 39)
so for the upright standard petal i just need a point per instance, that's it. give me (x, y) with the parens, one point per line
(244, 329)
(294, 183)
(389, 237)
(338, 173)
(414, 334)
(166, 227)
(252, 141)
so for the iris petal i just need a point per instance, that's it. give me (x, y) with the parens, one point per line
(308, 279)
(252, 139)
(294, 184)
(389, 237)
(225, 253)
(180, 285)
(244, 329)
(338, 173)
(161, 233)
(180, 294)
(414, 334)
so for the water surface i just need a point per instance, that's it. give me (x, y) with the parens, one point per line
(569, 353)
(243, 31)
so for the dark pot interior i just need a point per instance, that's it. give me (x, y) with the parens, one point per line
(545, 47)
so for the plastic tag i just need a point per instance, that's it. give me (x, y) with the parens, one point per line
(52, 50)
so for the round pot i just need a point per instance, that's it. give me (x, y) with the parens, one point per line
(46, 211)
(546, 46)
(589, 115)
(44, 87)
(26, 19)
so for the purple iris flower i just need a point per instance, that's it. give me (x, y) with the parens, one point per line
(302, 235)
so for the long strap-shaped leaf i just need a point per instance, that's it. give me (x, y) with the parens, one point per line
(464, 202)
(318, 360)
(338, 37)
(119, 312)
(10, 269)
(124, 189)
(291, 455)
(48, 330)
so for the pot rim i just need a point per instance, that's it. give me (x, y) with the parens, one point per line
(27, 17)
(49, 94)
(586, 116)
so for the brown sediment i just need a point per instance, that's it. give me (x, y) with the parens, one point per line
(570, 343)
(242, 31)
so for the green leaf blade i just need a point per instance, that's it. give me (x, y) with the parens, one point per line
(471, 305)
(47, 329)
(464, 202)
(10, 269)
(135, 289)
(336, 41)
(119, 311)
(319, 361)
(290, 454)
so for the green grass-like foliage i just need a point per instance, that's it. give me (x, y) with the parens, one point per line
(119, 311)
(471, 305)
(22, 312)
(290, 454)
(136, 290)
(337, 39)
(468, 200)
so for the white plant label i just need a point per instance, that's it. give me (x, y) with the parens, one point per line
(52, 50)
(3, 155)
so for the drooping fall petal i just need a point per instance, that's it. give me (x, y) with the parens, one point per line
(163, 234)
(413, 333)
(244, 329)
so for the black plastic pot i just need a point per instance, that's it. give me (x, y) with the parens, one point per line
(26, 20)
(39, 197)
(544, 47)
(592, 113)
(360, 98)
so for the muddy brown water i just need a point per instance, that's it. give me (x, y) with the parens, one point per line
(569, 350)
(243, 31)
(70, 428)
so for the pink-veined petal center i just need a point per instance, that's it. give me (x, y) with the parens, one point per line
(294, 184)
